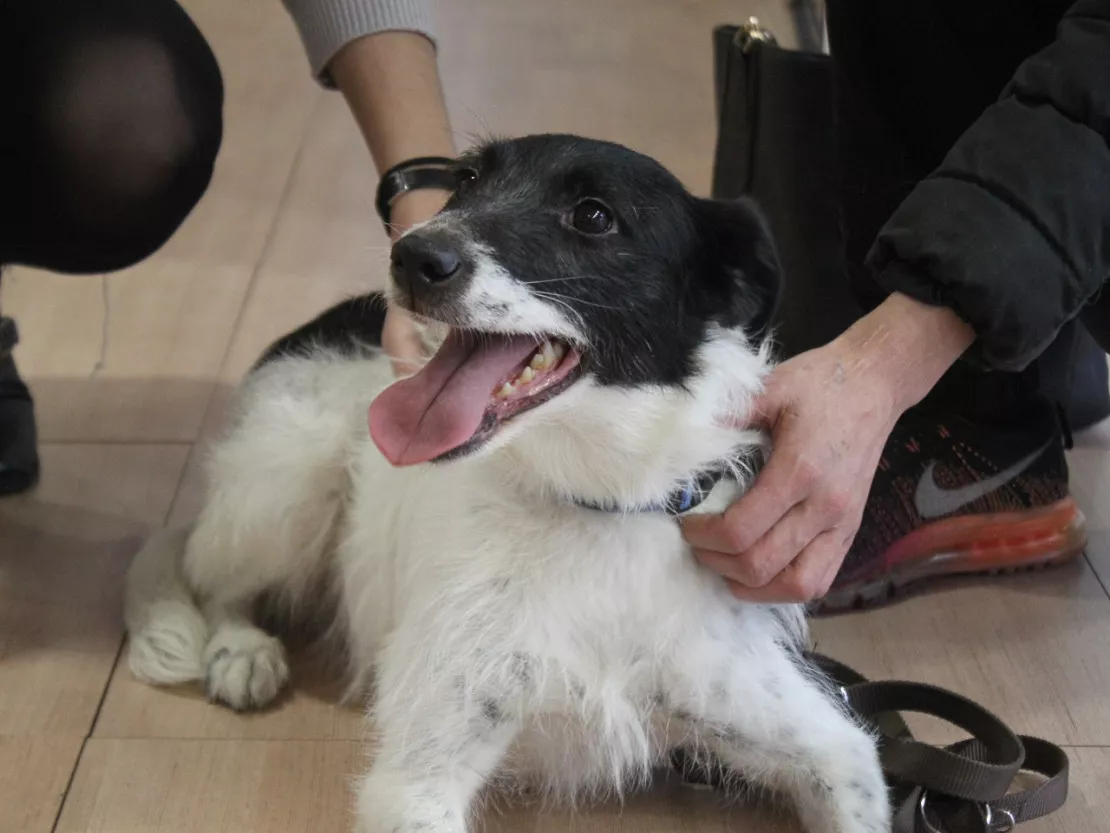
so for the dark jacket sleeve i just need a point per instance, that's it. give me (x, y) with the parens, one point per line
(1013, 230)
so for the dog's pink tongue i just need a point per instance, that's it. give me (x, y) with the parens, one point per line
(419, 418)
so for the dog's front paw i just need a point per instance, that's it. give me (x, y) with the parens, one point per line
(393, 804)
(246, 668)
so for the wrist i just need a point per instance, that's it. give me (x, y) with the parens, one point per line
(905, 346)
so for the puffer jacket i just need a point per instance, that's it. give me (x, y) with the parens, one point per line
(975, 148)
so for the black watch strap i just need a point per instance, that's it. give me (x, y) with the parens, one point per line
(412, 175)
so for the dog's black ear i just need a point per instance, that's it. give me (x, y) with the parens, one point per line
(740, 264)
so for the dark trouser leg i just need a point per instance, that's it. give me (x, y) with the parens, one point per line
(112, 119)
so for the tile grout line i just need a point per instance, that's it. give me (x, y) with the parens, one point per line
(87, 737)
(1098, 578)
(286, 189)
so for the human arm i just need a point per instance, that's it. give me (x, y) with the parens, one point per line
(381, 55)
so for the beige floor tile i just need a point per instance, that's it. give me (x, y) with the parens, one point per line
(63, 553)
(268, 99)
(1098, 554)
(327, 241)
(189, 499)
(1032, 648)
(147, 374)
(1090, 483)
(1088, 807)
(311, 711)
(34, 773)
(163, 786)
(152, 786)
(166, 786)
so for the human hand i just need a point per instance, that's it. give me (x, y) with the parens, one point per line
(400, 338)
(785, 539)
(829, 412)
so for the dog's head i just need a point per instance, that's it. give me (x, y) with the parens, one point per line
(585, 290)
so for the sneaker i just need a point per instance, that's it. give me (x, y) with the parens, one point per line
(952, 497)
(19, 459)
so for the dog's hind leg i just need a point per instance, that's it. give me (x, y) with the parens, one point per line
(261, 532)
(277, 487)
(166, 630)
(770, 721)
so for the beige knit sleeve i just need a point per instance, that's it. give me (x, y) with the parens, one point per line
(328, 25)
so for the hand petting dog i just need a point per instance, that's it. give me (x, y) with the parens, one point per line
(829, 412)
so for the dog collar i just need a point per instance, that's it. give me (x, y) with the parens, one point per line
(678, 502)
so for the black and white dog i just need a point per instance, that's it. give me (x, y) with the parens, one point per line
(510, 582)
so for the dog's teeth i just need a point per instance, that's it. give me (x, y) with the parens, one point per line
(548, 354)
(559, 350)
(538, 361)
(506, 391)
(527, 375)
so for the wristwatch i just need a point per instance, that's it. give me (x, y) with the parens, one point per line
(411, 175)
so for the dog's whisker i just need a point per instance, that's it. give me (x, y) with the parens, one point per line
(566, 278)
(550, 296)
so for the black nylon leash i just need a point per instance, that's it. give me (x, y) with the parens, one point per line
(959, 788)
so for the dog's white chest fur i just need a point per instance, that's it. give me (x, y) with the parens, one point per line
(563, 620)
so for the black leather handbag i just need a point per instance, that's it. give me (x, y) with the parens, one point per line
(776, 144)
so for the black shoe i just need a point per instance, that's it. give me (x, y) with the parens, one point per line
(19, 458)
(954, 497)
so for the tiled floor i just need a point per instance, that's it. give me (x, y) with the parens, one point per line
(133, 369)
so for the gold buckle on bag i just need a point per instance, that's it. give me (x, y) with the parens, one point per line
(753, 32)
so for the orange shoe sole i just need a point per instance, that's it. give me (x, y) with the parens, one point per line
(968, 545)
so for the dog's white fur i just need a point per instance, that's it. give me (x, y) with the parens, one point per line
(501, 628)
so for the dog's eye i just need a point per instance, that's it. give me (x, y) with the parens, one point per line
(592, 217)
(464, 177)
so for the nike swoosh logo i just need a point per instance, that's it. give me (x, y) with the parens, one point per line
(934, 502)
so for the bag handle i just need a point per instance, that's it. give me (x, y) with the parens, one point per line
(960, 788)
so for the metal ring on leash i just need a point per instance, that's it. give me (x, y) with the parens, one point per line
(994, 821)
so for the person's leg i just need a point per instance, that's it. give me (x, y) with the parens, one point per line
(112, 122)
(113, 112)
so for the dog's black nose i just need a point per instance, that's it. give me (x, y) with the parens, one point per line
(424, 260)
